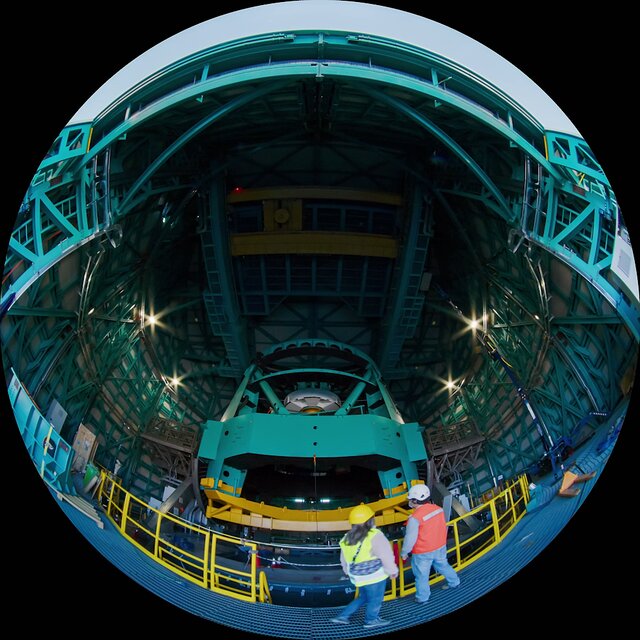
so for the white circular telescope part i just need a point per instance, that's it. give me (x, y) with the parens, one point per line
(312, 401)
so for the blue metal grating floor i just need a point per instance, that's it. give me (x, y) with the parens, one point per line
(525, 542)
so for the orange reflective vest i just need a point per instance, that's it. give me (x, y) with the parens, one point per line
(432, 533)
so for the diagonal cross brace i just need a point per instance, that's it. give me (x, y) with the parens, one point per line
(180, 142)
(475, 168)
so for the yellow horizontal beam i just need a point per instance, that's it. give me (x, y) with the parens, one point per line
(313, 242)
(320, 193)
(299, 514)
(257, 514)
(397, 490)
(260, 522)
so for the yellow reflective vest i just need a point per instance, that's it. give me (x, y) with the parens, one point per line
(364, 555)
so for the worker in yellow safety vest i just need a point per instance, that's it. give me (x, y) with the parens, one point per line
(367, 558)
(426, 540)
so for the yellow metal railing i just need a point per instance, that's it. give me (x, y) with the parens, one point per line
(210, 559)
(501, 513)
(265, 593)
(197, 554)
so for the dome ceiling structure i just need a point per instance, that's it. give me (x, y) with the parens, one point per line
(324, 186)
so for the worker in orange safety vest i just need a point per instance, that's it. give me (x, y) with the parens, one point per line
(426, 540)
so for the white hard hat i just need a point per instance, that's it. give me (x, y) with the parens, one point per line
(419, 492)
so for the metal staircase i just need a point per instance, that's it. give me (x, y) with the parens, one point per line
(407, 295)
(220, 298)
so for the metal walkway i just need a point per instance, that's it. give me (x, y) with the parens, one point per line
(524, 543)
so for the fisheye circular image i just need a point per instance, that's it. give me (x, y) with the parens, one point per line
(319, 319)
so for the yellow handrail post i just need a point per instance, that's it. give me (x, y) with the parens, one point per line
(525, 488)
(205, 560)
(125, 511)
(212, 565)
(265, 593)
(113, 486)
(456, 537)
(253, 554)
(156, 537)
(494, 519)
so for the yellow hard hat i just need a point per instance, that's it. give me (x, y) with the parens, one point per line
(361, 514)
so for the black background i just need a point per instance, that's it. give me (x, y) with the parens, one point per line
(62, 55)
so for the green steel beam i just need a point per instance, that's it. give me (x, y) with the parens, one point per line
(449, 142)
(574, 154)
(50, 312)
(336, 69)
(72, 142)
(582, 236)
(287, 71)
(195, 130)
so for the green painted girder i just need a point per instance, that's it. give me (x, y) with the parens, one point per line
(297, 69)
(40, 312)
(444, 73)
(302, 69)
(50, 338)
(204, 391)
(574, 154)
(51, 231)
(73, 142)
(258, 296)
(526, 456)
(27, 241)
(534, 416)
(429, 85)
(581, 239)
(522, 339)
(63, 378)
(195, 130)
(450, 143)
(104, 358)
(589, 361)
(484, 197)
(368, 379)
(495, 390)
(582, 361)
(608, 319)
(279, 436)
(560, 420)
(328, 320)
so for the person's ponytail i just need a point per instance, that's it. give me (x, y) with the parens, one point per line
(359, 532)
